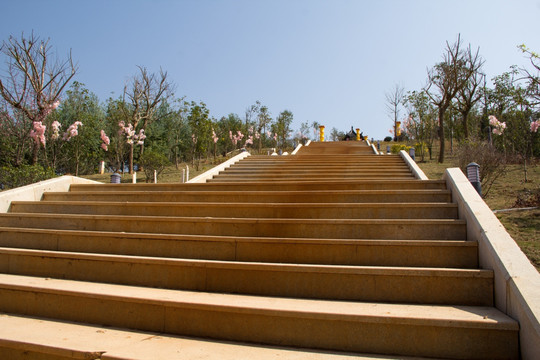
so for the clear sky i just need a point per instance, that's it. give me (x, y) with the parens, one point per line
(329, 61)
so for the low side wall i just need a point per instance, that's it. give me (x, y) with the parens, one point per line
(215, 170)
(33, 192)
(517, 283)
(418, 173)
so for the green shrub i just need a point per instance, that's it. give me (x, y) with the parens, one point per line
(152, 160)
(387, 139)
(12, 177)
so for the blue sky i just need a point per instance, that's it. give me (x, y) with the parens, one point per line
(329, 61)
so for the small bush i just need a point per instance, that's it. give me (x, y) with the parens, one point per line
(492, 162)
(12, 177)
(153, 160)
(388, 139)
(396, 148)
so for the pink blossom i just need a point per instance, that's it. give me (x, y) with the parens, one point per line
(214, 136)
(535, 125)
(257, 135)
(249, 141)
(105, 138)
(56, 130)
(38, 133)
(104, 146)
(250, 130)
(275, 136)
(230, 134)
(72, 131)
(498, 126)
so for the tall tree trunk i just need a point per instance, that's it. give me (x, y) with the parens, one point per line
(130, 159)
(442, 110)
(464, 122)
(35, 153)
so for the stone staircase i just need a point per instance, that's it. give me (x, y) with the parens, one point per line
(331, 250)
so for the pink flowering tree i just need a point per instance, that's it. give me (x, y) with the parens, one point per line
(143, 95)
(32, 83)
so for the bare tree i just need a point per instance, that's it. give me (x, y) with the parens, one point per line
(448, 77)
(533, 79)
(144, 93)
(468, 96)
(394, 100)
(34, 80)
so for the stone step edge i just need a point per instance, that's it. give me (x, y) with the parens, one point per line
(261, 266)
(477, 317)
(214, 220)
(246, 239)
(239, 204)
(270, 193)
(85, 341)
(456, 286)
(264, 183)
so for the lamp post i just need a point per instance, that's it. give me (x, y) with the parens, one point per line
(473, 174)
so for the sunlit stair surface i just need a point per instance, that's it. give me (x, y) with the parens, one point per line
(332, 253)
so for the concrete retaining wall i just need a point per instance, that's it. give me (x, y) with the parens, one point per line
(517, 283)
(33, 192)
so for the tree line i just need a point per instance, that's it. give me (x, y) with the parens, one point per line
(458, 105)
(52, 123)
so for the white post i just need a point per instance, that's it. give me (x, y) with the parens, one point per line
(101, 167)
(134, 178)
(155, 176)
(187, 173)
(183, 175)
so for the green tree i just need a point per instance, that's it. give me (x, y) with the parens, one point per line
(421, 124)
(282, 127)
(201, 130)
(142, 96)
(79, 153)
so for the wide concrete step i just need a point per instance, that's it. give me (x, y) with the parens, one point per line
(316, 166)
(334, 196)
(226, 179)
(369, 252)
(270, 186)
(322, 171)
(316, 172)
(242, 210)
(50, 339)
(336, 150)
(399, 229)
(310, 176)
(410, 330)
(333, 282)
(318, 161)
